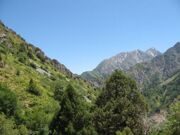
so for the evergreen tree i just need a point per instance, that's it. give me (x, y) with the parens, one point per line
(73, 117)
(120, 106)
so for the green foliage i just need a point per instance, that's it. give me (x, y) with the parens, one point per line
(8, 101)
(58, 93)
(22, 58)
(172, 125)
(37, 122)
(23, 48)
(174, 118)
(30, 55)
(161, 95)
(126, 131)
(1, 61)
(32, 88)
(41, 56)
(18, 72)
(7, 127)
(34, 112)
(73, 117)
(33, 65)
(3, 49)
(23, 130)
(120, 105)
(1, 58)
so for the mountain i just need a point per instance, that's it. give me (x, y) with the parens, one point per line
(162, 94)
(159, 78)
(122, 61)
(40, 96)
(29, 86)
(161, 67)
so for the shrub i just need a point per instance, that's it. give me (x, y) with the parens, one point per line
(23, 48)
(41, 56)
(18, 73)
(58, 93)
(22, 58)
(7, 127)
(37, 122)
(8, 101)
(32, 88)
(33, 65)
(2, 64)
(30, 55)
(1, 57)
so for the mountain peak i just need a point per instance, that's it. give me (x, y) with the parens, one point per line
(153, 52)
(177, 45)
(122, 61)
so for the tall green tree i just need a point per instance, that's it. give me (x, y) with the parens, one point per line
(120, 106)
(74, 117)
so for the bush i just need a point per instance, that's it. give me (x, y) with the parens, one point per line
(1, 58)
(33, 65)
(8, 101)
(18, 73)
(3, 49)
(41, 56)
(1, 62)
(23, 48)
(58, 93)
(7, 127)
(37, 122)
(30, 55)
(22, 58)
(32, 88)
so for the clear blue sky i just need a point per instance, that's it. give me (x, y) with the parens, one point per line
(81, 33)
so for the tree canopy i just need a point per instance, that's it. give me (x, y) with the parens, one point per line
(120, 106)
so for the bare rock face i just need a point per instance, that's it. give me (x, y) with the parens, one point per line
(122, 61)
(153, 52)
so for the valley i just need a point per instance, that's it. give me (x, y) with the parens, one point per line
(131, 93)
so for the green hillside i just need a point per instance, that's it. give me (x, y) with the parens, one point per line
(162, 95)
(33, 78)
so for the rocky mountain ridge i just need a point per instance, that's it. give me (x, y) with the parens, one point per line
(122, 61)
(160, 67)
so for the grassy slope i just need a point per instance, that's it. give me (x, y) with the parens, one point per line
(31, 106)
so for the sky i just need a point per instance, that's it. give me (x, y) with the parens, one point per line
(81, 33)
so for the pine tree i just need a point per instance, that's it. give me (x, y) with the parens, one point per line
(73, 117)
(120, 106)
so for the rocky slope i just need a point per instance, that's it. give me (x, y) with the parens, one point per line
(159, 68)
(122, 61)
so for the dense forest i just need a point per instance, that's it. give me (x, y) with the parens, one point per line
(40, 96)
